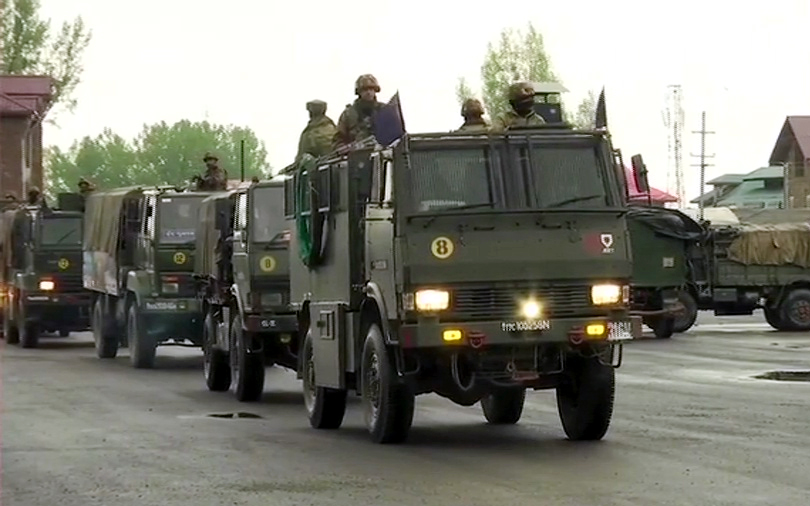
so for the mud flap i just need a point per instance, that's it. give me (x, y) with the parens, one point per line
(328, 344)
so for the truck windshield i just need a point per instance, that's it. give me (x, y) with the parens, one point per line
(61, 231)
(449, 178)
(267, 219)
(178, 219)
(568, 176)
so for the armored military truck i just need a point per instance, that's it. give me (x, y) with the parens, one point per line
(138, 263)
(41, 272)
(242, 265)
(470, 265)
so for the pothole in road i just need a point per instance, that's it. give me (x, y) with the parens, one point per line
(784, 376)
(240, 414)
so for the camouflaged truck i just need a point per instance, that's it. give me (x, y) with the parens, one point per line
(41, 271)
(138, 263)
(242, 265)
(470, 265)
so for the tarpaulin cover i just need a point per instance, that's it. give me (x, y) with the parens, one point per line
(782, 244)
(102, 218)
(667, 222)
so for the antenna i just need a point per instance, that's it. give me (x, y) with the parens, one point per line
(242, 159)
(703, 156)
(674, 121)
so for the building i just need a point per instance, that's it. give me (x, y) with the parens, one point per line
(792, 151)
(24, 100)
(762, 188)
(655, 197)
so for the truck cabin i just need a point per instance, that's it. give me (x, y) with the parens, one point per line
(59, 230)
(267, 226)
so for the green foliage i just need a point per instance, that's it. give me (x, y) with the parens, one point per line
(463, 91)
(585, 117)
(30, 47)
(160, 154)
(518, 56)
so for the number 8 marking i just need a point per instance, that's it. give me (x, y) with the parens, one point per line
(442, 247)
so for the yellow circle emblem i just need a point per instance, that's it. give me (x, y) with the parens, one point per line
(63, 263)
(180, 258)
(442, 247)
(267, 264)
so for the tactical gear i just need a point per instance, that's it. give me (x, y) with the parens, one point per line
(366, 81)
(472, 107)
(355, 123)
(520, 91)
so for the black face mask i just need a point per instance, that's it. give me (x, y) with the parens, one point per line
(365, 106)
(523, 106)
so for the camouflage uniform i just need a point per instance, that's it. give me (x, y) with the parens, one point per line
(521, 98)
(356, 121)
(215, 178)
(473, 113)
(316, 138)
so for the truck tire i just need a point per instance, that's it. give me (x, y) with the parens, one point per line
(29, 335)
(142, 346)
(388, 404)
(504, 406)
(216, 368)
(106, 345)
(64, 333)
(248, 375)
(773, 318)
(663, 328)
(10, 329)
(585, 398)
(794, 311)
(685, 319)
(326, 407)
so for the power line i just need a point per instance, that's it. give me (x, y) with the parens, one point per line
(703, 156)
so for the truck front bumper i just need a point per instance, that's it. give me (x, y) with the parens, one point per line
(272, 323)
(574, 331)
(62, 311)
(166, 319)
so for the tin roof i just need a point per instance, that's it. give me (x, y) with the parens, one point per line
(795, 130)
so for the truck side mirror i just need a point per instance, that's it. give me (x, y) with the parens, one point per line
(640, 174)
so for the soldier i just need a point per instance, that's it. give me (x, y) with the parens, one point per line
(254, 179)
(521, 98)
(473, 113)
(356, 121)
(316, 138)
(215, 178)
(35, 198)
(85, 187)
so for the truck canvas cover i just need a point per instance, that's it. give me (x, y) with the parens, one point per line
(102, 211)
(667, 222)
(10, 219)
(782, 244)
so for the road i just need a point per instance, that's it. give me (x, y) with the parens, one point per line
(691, 427)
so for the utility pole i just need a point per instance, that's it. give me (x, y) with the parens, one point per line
(703, 156)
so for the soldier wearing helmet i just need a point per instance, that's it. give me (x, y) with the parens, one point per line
(473, 113)
(85, 186)
(521, 98)
(215, 178)
(356, 121)
(316, 138)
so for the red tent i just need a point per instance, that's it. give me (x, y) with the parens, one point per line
(656, 196)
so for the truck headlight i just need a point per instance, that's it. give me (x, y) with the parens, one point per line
(432, 300)
(531, 309)
(46, 285)
(602, 295)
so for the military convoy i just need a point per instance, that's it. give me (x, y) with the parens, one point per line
(41, 271)
(242, 266)
(138, 264)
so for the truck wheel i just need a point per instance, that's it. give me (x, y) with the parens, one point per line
(142, 346)
(773, 319)
(325, 406)
(663, 328)
(106, 346)
(388, 404)
(794, 311)
(10, 330)
(585, 398)
(29, 337)
(685, 319)
(64, 333)
(504, 406)
(248, 375)
(216, 368)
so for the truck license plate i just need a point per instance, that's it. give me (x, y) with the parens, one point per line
(526, 326)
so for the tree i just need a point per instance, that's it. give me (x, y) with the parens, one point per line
(29, 46)
(585, 117)
(518, 56)
(160, 154)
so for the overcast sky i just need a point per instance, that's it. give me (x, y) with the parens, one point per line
(257, 63)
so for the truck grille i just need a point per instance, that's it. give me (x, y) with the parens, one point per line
(68, 283)
(502, 302)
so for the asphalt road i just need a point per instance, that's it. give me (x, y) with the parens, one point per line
(691, 427)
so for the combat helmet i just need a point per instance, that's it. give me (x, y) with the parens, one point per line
(472, 106)
(520, 91)
(210, 156)
(366, 81)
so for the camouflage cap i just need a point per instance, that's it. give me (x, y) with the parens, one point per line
(210, 156)
(316, 102)
(520, 91)
(366, 81)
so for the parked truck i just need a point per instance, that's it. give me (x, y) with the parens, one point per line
(41, 271)
(468, 265)
(242, 266)
(138, 263)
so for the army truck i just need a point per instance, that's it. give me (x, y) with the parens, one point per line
(469, 265)
(242, 265)
(138, 263)
(41, 271)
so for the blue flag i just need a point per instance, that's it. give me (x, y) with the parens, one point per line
(388, 123)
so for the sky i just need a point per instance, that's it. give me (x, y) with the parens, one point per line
(257, 62)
